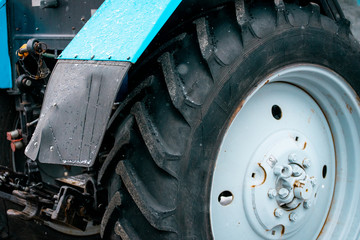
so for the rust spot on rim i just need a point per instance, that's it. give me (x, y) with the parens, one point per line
(349, 108)
(305, 143)
(237, 110)
(264, 177)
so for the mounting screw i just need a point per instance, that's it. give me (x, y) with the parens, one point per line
(296, 170)
(292, 157)
(278, 212)
(306, 163)
(293, 217)
(272, 193)
(283, 193)
(307, 204)
(28, 83)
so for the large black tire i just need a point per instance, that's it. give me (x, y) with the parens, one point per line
(170, 128)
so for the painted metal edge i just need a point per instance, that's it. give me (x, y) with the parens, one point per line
(120, 30)
(5, 67)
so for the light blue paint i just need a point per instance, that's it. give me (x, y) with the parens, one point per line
(5, 69)
(120, 30)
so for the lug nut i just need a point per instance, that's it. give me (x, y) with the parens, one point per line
(296, 170)
(307, 204)
(278, 212)
(283, 193)
(292, 158)
(306, 163)
(272, 193)
(293, 217)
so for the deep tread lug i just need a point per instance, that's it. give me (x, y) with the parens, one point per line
(157, 215)
(122, 137)
(124, 230)
(113, 204)
(160, 153)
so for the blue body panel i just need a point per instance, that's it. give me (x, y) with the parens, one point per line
(120, 30)
(5, 69)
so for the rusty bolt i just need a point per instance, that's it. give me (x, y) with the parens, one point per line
(306, 163)
(278, 212)
(283, 193)
(293, 217)
(272, 193)
(307, 204)
(292, 158)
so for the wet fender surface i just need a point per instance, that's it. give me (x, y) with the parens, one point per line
(75, 112)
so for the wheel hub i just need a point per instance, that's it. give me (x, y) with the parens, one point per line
(275, 172)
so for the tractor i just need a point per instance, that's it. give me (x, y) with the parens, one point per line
(178, 119)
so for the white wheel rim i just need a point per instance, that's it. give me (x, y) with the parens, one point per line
(302, 112)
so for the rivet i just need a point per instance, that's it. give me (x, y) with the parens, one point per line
(109, 57)
(75, 56)
(92, 57)
(35, 144)
(51, 148)
(128, 58)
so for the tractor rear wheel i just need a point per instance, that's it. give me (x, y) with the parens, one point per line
(245, 126)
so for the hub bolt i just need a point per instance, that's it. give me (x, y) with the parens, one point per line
(307, 204)
(283, 193)
(292, 158)
(272, 193)
(293, 217)
(306, 163)
(278, 212)
(283, 171)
